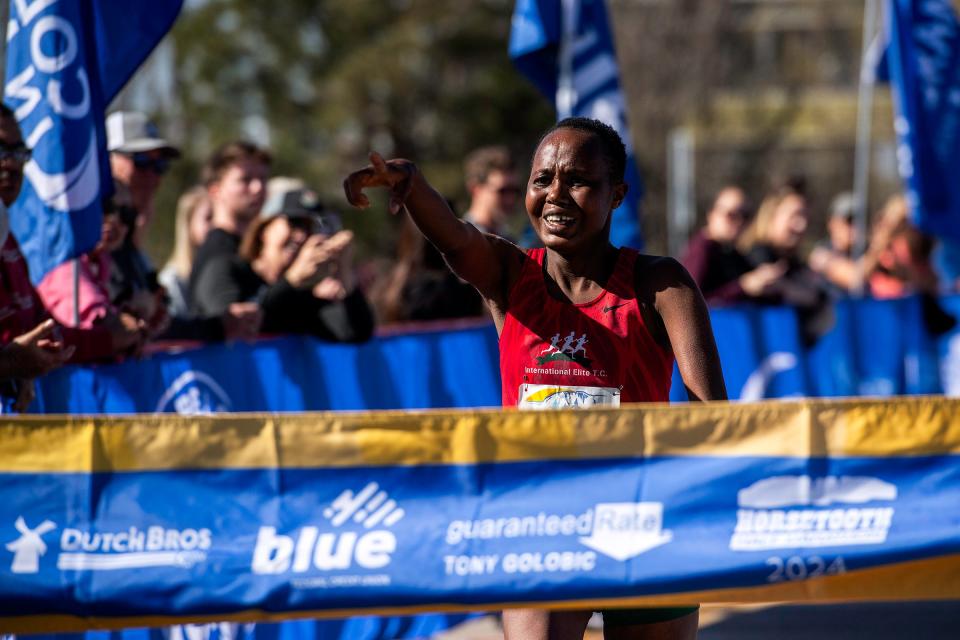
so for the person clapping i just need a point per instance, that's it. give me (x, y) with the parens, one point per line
(295, 262)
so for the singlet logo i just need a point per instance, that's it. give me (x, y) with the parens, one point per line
(572, 349)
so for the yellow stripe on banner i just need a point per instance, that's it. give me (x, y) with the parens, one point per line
(930, 579)
(837, 428)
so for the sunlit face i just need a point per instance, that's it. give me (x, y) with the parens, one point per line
(200, 223)
(728, 217)
(281, 243)
(789, 223)
(241, 189)
(11, 170)
(570, 194)
(498, 194)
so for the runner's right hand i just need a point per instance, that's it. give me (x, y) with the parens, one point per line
(396, 175)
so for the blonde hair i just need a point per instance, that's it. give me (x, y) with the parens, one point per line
(758, 231)
(181, 258)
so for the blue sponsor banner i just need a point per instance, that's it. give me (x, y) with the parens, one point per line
(876, 348)
(222, 542)
(923, 66)
(66, 60)
(565, 47)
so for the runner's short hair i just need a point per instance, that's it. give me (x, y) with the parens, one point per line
(611, 144)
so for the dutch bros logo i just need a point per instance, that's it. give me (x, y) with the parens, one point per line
(51, 90)
(277, 553)
(95, 550)
(29, 547)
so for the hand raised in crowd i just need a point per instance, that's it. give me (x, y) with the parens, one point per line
(396, 175)
(242, 321)
(128, 333)
(34, 353)
(763, 279)
(320, 257)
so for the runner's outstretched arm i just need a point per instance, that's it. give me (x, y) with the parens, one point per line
(475, 256)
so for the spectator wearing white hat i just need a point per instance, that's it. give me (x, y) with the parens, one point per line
(139, 158)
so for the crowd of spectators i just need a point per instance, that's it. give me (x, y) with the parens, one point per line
(255, 255)
(251, 257)
(767, 257)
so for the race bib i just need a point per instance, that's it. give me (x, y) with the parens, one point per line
(551, 396)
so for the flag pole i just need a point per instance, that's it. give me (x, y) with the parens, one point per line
(76, 291)
(861, 170)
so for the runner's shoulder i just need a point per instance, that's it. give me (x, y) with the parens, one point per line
(656, 273)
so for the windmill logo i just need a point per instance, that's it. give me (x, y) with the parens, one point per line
(28, 548)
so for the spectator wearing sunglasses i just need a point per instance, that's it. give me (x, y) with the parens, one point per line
(295, 262)
(724, 275)
(491, 178)
(27, 334)
(139, 158)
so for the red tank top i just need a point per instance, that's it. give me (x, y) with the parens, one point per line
(556, 354)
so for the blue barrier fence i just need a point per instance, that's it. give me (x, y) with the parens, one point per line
(876, 348)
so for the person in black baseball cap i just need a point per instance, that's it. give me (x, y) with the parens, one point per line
(295, 261)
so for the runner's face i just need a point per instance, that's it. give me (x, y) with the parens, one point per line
(570, 194)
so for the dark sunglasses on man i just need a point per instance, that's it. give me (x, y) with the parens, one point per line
(19, 153)
(146, 162)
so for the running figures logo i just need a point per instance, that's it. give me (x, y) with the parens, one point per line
(786, 512)
(368, 548)
(28, 548)
(570, 349)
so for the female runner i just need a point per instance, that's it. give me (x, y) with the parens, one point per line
(580, 321)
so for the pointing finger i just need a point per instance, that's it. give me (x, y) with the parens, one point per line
(379, 165)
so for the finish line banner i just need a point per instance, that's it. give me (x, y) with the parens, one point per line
(156, 520)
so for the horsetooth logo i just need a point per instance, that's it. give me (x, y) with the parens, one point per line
(368, 548)
(802, 512)
(570, 348)
(28, 548)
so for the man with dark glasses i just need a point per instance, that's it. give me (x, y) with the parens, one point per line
(139, 158)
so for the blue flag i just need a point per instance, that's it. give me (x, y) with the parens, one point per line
(66, 60)
(923, 66)
(566, 49)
